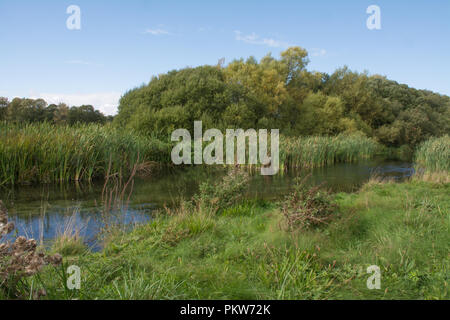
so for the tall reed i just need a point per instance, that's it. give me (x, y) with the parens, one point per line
(47, 153)
(433, 155)
(313, 152)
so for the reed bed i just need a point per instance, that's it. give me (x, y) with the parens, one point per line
(313, 152)
(46, 153)
(434, 155)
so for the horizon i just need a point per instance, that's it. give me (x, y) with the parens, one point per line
(97, 64)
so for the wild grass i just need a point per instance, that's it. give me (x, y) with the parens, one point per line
(69, 240)
(47, 153)
(313, 152)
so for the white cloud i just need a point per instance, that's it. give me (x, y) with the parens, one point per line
(255, 39)
(317, 52)
(157, 32)
(106, 102)
(82, 62)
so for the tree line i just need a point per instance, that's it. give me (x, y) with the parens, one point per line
(37, 110)
(282, 94)
(266, 94)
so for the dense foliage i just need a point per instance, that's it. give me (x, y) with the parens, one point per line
(282, 93)
(37, 110)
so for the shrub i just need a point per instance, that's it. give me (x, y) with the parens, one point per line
(307, 206)
(228, 192)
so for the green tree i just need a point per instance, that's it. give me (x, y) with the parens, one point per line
(3, 107)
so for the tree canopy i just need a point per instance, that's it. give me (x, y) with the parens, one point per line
(282, 94)
(36, 110)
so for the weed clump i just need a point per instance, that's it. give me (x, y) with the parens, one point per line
(307, 207)
(19, 258)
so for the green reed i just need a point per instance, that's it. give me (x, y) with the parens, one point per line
(434, 154)
(47, 153)
(313, 152)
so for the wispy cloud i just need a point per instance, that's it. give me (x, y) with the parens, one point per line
(84, 63)
(157, 32)
(253, 38)
(318, 52)
(106, 102)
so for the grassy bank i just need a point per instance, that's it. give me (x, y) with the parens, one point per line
(48, 153)
(244, 252)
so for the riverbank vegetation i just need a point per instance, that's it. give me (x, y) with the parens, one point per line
(45, 153)
(432, 159)
(252, 250)
(434, 154)
(217, 245)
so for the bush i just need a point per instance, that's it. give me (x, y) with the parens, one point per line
(307, 206)
(228, 192)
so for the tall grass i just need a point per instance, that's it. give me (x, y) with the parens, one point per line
(432, 160)
(46, 153)
(434, 155)
(312, 152)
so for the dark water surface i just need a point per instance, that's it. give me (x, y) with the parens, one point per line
(45, 211)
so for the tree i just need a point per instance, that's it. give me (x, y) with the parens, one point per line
(281, 93)
(85, 114)
(26, 110)
(3, 107)
(61, 114)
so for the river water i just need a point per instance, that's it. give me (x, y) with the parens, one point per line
(45, 211)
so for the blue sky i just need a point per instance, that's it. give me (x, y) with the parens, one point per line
(122, 44)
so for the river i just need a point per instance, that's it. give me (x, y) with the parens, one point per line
(45, 211)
